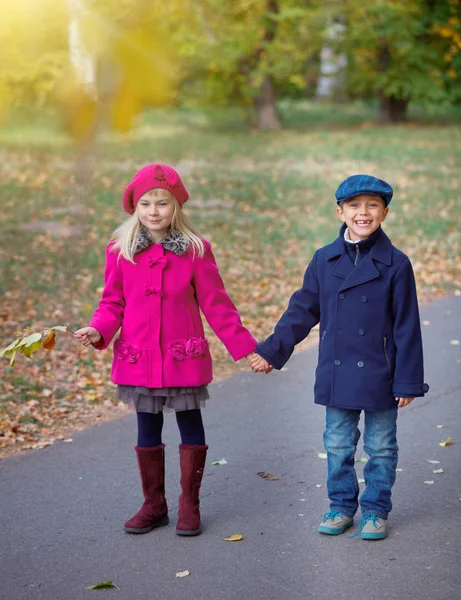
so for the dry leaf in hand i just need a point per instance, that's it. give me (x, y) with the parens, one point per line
(267, 476)
(50, 340)
(183, 573)
(235, 537)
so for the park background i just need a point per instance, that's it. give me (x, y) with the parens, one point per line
(264, 106)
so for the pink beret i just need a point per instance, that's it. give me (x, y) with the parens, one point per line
(150, 177)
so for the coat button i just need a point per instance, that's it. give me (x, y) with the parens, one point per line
(361, 331)
(342, 296)
(337, 362)
(360, 364)
(364, 299)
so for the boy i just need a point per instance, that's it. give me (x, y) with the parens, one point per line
(362, 291)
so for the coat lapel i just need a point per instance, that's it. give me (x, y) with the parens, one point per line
(363, 272)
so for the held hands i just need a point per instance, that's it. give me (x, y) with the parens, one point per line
(258, 364)
(87, 336)
(403, 401)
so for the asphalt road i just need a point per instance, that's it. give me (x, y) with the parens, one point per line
(62, 508)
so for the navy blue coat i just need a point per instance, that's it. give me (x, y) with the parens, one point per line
(370, 349)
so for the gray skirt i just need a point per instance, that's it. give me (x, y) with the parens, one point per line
(155, 400)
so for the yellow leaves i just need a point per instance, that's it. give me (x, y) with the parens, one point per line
(447, 442)
(235, 537)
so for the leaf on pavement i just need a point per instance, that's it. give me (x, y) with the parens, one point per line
(320, 454)
(361, 480)
(429, 482)
(235, 537)
(433, 462)
(103, 585)
(437, 471)
(447, 442)
(183, 573)
(454, 342)
(267, 476)
(362, 459)
(439, 426)
(223, 461)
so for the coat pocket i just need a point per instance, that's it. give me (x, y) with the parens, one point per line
(386, 354)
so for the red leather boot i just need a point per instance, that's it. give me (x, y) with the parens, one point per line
(192, 462)
(154, 511)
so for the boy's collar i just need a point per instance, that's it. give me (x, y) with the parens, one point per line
(174, 240)
(381, 249)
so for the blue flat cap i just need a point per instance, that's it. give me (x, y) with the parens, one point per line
(364, 184)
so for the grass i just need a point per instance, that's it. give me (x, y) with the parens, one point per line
(265, 200)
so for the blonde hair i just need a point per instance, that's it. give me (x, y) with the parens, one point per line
(124, 237)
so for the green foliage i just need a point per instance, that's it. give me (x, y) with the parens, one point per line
(30, 342)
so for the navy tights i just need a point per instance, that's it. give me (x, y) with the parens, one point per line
(189, 422)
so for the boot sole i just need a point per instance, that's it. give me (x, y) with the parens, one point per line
(373, 536)
(331, 531)
(188, 533)
(159, 523)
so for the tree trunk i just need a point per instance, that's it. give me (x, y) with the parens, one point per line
(267, 117)
(392, 109)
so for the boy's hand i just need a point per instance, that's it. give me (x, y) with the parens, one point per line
(87, 336)
(258, 364)
(403, 401)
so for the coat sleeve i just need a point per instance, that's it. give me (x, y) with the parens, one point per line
(218, 308)
(302, 314)
(109, 314)
(409, 370)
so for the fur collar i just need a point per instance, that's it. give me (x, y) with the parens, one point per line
(174, 240)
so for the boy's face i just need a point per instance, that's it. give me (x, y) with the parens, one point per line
(363, 215)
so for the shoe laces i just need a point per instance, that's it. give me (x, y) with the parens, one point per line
(332, 514)
(361, 524)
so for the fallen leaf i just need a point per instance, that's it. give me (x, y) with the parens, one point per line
(426, 322)
(457, 292)
(361, 480)
(267, 476)
(437, 471)
(454, 342)
(399, 470)
(439, 426)
(68, 441)
(183, 573)
(223, 461)
(318, 485)
(433, 462)
(447, 442)
(235, 537)
(362, 459)
(102, 585)
(322, 455)
(429, 482)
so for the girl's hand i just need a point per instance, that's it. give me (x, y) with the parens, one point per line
(403, 401)
(258, 364)
(88, 336)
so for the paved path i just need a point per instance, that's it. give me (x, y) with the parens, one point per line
(62, 508)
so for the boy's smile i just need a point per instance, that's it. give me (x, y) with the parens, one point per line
(363, 215)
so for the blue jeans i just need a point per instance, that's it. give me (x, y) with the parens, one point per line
(379, 442)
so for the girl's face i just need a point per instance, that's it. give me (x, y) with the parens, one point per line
(363, 215)
(155, 211)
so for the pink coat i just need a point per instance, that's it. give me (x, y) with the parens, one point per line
(156, 302)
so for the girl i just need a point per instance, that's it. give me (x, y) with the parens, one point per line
(159, 272)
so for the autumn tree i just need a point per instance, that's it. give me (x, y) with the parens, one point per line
(402, 52)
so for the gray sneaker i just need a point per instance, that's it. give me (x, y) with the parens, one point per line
(372, 528)
(335, 523)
